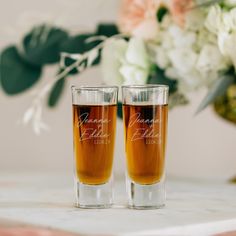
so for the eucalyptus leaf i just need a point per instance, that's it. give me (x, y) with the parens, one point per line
(56, 92)
(16, 74)
(42, 45)
(217, 89)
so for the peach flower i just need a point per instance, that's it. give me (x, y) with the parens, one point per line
(178, 9)
(138, 18)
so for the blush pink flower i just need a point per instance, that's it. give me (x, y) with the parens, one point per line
(138, 18)
(178, 9)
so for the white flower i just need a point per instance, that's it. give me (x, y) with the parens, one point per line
(112, 53)
(165, 40)
(227, 45)
(233, 18)
(183, 59)
(229, 20)
(190, 81)
(136, 53)
(210, 59)
(136, 65)
(172, 73)
(161, 57)
(182, 38)
(205, 37)
(125, 62)
(214, 19)
(133, 75)
(195, 19)
(148, 29)
(219, 21)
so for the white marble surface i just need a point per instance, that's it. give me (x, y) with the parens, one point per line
(193, 208)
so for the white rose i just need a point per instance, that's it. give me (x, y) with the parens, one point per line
(136, 53)
(114, 50)
(133, 75)
(125, 62)
(136, 65)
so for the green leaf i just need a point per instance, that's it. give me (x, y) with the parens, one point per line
(69, 61)
(42, 45)
(78, 44)
(119, 110)
(107, 30)
(56, 92)
(162, 11)
(159, 77)
(16, 74)
(217, 89)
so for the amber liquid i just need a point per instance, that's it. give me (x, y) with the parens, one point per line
(94, 136)
(145, 141)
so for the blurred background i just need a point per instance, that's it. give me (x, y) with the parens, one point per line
(201, 146)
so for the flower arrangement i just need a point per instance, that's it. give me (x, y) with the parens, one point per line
(186, 44)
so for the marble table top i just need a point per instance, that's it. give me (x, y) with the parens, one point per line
(43, 199)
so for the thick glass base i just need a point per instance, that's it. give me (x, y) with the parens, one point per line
(94, 196)
(151, 196)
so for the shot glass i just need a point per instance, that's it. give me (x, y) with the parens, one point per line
(145, 115)
(94, 126)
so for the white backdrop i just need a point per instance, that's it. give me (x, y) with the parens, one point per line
(202, 146)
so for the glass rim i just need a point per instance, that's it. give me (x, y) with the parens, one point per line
(92, 88)
(146, 86)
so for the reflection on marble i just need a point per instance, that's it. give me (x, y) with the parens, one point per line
(193, 207)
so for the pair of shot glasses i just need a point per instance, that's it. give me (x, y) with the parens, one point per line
(145, 111)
